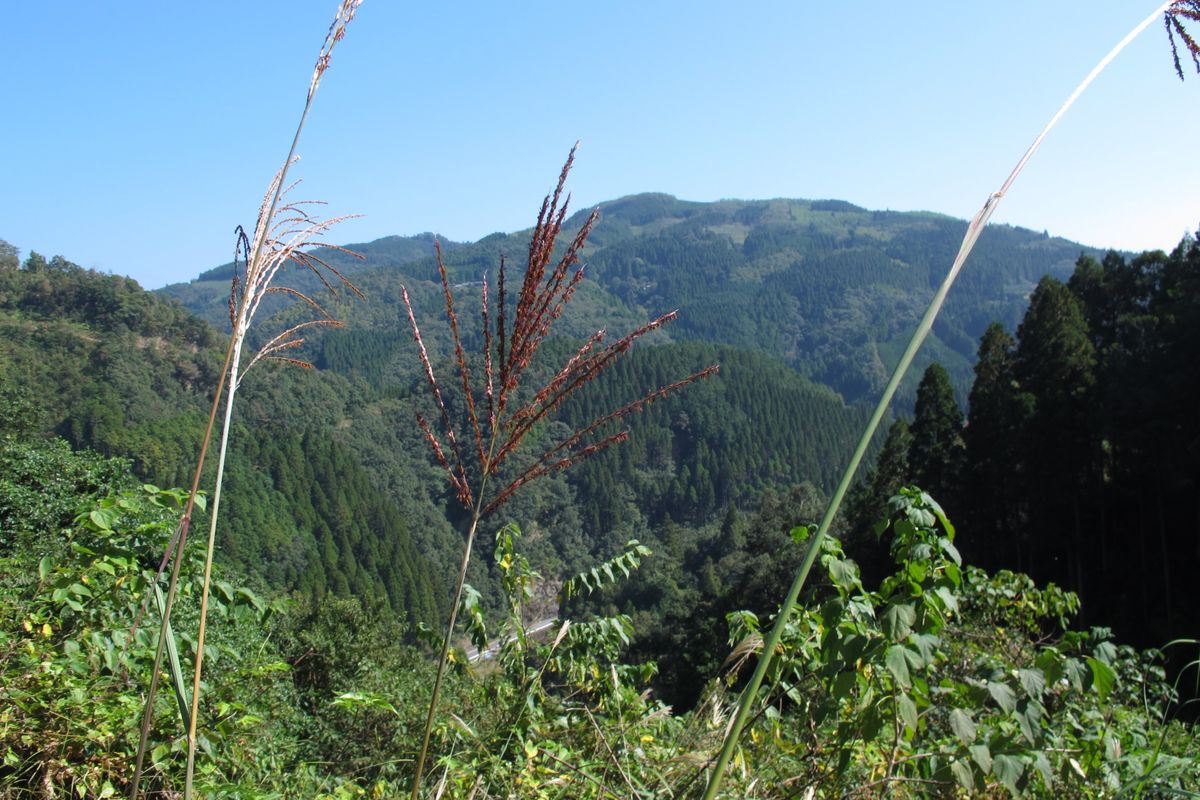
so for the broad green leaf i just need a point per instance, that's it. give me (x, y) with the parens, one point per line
(942, 518)
(844, 575)
(1075, 672)
(1005, 697)
(948, 598)
(963, 774)
(843, 683)
(1050, 663)
(981, 756)
(103, 518)
(908, 711)
(44, 567)
(799, 534)
(1106, 652)
(897, 664)
(962, 725)
(1009, 770)
(950, 550)
(159, 753)
(1029, 719)
(1103, 677)
(1032, 681)
(898, 620)
(1042, 765)
(925, 644)
(1112, 747)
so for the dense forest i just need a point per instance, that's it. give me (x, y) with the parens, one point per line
(1075, 464)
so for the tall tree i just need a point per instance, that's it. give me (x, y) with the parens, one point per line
(986, 498)
(1055, 371)
(937, 455)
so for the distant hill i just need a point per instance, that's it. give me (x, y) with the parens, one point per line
(832, 289)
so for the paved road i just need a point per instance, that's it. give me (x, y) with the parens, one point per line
(494, 648)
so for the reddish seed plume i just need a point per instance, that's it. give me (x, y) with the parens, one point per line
(436, 391)
(564, 374)
(543, 295)
(637, 405)
(529, 416)
(459, 355)
(487, 363)
(545, 313)
(456, 481)
(501, 339)
(1189, 10)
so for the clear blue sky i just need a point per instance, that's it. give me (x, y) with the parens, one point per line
(138, 136)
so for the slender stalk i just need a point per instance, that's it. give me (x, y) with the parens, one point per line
(175, 551)
(974, 229)
(257, 279)
(441, 671)
(212, 534)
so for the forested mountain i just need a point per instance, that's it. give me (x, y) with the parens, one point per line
(779, 292)
(831, 289)
(98, 361)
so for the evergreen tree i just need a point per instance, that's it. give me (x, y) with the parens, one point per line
(1055, 370)
(937, 454)
(10, 256)
(986, 498)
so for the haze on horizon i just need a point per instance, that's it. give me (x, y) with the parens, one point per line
(138, 141)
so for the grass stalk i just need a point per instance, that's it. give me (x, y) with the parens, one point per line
(974, 229)
(239, 339)
(442, 660)
(268, 253)
(174, 556)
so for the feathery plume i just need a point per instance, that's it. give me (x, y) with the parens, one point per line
(508, 351)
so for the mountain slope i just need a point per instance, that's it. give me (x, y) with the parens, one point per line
(832, 289)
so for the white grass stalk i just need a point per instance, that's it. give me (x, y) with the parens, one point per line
(974, 229)
(275, 243)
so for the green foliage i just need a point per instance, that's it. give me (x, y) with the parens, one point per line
(946, 676)
(42, 484)
(72, 639)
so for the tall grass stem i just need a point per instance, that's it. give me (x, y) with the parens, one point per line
(974, 229)
(441, 671)
(239, 339)
(175, 552)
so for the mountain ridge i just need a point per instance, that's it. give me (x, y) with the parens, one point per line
(830, 287)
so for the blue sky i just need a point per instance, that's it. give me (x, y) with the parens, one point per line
(138, 136)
